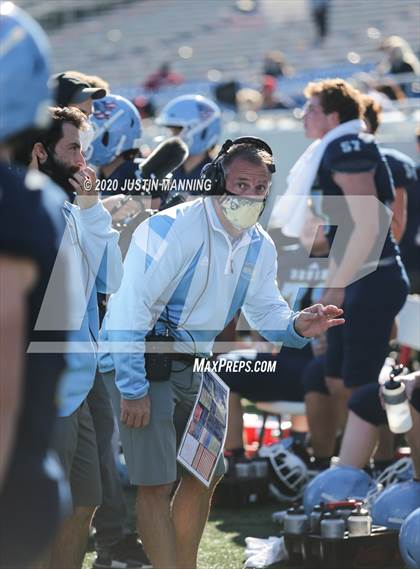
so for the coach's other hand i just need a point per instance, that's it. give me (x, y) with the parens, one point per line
(84, 184)
(135, 413)
(316, 320)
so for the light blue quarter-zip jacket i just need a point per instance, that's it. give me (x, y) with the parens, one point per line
(184, 274)
(91, 245)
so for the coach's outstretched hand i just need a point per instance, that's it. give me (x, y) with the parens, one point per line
(316, 320)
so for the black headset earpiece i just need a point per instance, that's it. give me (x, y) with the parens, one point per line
(214, 170)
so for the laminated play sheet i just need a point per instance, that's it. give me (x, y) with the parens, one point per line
(204, 437)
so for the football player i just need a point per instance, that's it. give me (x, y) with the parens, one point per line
(197, 121)
(402, 168)
(33, 494)
(345, 162)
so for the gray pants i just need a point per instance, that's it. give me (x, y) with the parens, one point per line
(74, 442)
(150, 452)
(110, 518)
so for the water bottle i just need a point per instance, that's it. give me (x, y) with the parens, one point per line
(278, 518)
(261, 468)
(396, 403)
(344, 508)
(295, 521)
(296, 524)
(332, 527)
(359, 522)
(243, 470)
(315, 519)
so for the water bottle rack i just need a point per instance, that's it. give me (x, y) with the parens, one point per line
(379, 550)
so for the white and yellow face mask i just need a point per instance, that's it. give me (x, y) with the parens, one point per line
(241, 212)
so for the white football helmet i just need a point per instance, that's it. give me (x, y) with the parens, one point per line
(288, 472)
(199, 118)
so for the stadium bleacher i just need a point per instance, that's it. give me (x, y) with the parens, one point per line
(130, 39)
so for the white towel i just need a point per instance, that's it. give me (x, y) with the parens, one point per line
(261, 553)
(290, 210)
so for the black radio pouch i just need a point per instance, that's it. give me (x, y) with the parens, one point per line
(158, 358)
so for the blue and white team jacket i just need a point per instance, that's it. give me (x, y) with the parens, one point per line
(96, 266)
(183, 274)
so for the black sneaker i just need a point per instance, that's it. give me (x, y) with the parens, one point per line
(128, 553)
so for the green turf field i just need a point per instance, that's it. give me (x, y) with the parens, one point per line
(223, 544)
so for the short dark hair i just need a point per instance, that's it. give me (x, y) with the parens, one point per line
(373, 112)
(59, 116)
(49, 137)
(247, 152)
(336, 95)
